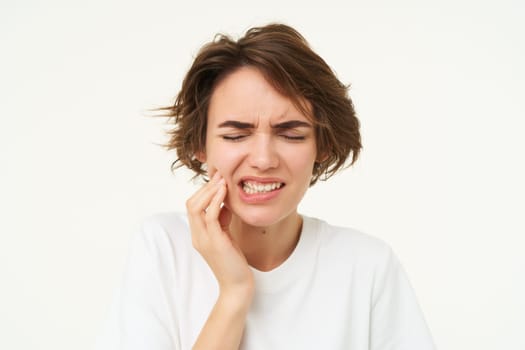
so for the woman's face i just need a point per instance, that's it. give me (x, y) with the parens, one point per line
(262, 145)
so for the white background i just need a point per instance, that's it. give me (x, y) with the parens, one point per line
(439, 88)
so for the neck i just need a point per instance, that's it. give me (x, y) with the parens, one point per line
(265, 248)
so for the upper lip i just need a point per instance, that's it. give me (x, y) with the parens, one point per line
(262, 180)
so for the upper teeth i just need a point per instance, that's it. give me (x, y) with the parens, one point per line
(253, 187)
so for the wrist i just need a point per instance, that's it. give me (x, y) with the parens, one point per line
(237, 298)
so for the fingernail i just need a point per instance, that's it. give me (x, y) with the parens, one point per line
(222, 181)
(216, 176)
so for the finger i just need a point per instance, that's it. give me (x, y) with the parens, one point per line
(212, 214)
(197, 204)
(206, 225)
(216, 177)
(197, 211)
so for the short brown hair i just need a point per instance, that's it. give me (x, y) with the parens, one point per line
(286, 60)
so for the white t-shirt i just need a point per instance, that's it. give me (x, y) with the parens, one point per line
(339, 289)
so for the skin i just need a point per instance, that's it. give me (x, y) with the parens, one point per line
(254, 135)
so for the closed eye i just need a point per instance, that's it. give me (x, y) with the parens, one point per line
(239, 137)
(233, 137)
(295, 138)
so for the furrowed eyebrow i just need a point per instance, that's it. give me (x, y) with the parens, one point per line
(290, 124)
(236, 124)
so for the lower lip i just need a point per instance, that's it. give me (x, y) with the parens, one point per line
(258, 197)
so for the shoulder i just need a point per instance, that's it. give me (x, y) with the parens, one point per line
(350, 245)
(166, 222)
(351, 240)
(163, 232)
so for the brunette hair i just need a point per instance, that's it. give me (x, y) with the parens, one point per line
(286, 60)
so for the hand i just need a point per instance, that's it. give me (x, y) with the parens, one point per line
(209, 224)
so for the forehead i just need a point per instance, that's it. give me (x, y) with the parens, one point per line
(246, 95)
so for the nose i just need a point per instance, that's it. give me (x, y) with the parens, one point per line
(263, 153)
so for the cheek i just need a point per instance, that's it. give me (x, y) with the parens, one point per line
(301, 162)
(223, 160)
(306, 173)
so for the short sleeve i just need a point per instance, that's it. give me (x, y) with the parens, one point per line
(140, 317)
(397, 322)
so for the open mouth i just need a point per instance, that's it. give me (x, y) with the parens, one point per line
(253, 187)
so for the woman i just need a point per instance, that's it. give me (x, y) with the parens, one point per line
(263, 118)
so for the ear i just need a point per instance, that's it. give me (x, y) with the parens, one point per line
(201, 156)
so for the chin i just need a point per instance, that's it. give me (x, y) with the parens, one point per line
(259, 216)
(260, 221)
